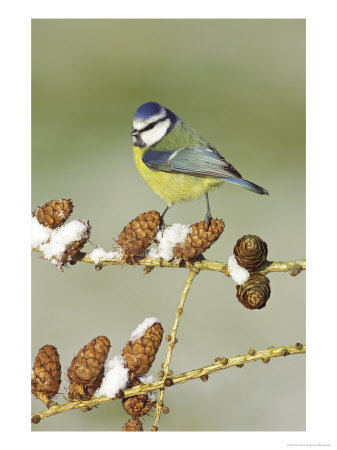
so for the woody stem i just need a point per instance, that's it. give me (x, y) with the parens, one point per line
(172, 341)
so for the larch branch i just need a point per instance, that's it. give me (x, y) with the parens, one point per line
(172, 342)
(296, 265)
(220, 363)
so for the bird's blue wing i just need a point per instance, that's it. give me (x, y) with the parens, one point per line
(198, 161)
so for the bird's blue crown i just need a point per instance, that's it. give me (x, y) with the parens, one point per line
(148, 110)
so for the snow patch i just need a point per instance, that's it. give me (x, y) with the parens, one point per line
(149, 379)
(142, 327)
(99, 254)
(239, 274)
(40, 234)
(61, 237)
(115, 378)
(167, 240)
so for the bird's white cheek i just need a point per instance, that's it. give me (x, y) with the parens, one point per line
(151, 137)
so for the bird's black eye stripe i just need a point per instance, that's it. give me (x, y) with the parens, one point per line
(153, 124)
(149, 127)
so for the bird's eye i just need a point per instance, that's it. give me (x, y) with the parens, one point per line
(149, 127)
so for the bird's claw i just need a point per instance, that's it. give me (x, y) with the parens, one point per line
(162, 225)
(208, 219)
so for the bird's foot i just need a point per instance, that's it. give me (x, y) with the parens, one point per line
(162, 225)
(208, 219)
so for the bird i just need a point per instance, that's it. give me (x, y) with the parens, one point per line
(176, 161)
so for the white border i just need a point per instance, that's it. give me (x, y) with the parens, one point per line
(321, 218)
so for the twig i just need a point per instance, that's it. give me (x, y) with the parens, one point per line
(294, 267)
(216, 266)
(172, 341)
(219, 364)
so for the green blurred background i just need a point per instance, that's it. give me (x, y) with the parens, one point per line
(240, 83)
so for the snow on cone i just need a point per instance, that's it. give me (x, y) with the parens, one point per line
(87, 369)
(255, 293)
(54, 213)
(62, 245)
(46, 375)
(250, 252)
(73, 248)
(141, 349)
(139, 405)
(138, 235)
(199, 239)
(133, 425)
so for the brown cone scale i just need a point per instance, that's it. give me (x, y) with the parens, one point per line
(73, 248)
(140, 354)
(138, 235)
(78, 392)
(88, 362)
(139, 405)
(133, 425)
(54, 213)
(255, 293)
(83, 392)
(46, 376)
(87, 369)
(250, 252)
(199, 239)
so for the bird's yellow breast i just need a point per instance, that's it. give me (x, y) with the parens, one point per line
(173, 187)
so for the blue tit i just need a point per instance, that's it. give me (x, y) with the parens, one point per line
(176, 161)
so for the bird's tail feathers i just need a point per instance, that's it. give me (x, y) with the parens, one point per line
(247, 185)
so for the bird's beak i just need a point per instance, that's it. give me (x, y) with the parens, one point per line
(134, 132)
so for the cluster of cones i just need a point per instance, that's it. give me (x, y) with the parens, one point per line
(251, 253)
(86, 372)
(53, 215)
(138, 235)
